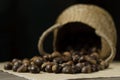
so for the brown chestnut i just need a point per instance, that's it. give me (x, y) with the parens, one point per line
(8, 66)
(34, 69)
(86, 69)
(67, 69)
(56, 68)
(56, 54)
(48, 68)
(22, 68)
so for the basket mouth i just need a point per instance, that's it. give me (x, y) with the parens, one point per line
(76, 35)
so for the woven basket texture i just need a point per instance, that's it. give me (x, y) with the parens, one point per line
(96, 18)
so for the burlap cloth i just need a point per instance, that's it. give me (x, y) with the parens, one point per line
(113, 71)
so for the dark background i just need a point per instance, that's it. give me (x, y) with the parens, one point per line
(23, 21)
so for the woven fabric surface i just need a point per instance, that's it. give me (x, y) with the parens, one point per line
(113, 71)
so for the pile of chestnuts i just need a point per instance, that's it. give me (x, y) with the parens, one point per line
(69, 62)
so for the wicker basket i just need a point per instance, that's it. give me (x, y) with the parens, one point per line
(93, 16)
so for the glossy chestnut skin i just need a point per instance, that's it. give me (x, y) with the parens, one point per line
(68, 62)
(8, 66)
(34, 69)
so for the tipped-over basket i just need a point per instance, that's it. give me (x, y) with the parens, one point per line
(93, 16)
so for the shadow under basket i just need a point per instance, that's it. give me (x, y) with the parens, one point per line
(82, 26)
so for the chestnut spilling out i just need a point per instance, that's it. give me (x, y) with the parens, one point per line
(84, 41)
(68, 62)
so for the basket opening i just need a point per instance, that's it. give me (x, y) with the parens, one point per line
(76, 35)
